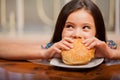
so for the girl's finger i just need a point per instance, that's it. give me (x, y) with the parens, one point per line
(70, 40)
(89, 41)
(62, 46)
(93, 44)
(57, 50)
(67, 44)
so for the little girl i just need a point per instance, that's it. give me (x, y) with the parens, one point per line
(77, 19)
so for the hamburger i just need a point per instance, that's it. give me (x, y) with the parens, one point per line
(78, 55)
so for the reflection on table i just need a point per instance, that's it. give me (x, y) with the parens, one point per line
(25, 70)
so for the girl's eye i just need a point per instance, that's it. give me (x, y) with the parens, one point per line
(86, 27)
(69, 26)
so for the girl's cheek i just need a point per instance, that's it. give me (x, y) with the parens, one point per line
(66, 34)
(88, 35)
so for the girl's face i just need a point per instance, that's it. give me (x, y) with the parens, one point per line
(79, 24)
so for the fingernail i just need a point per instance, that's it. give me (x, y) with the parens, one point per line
(68, 48)
(88, 47)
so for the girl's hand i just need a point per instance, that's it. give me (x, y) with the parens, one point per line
(56, 48)
(102, 49)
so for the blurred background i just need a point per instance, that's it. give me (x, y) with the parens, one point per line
(35, 19)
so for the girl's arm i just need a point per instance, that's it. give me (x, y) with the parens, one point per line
(116, 52)
(20, 49)
(24, 50)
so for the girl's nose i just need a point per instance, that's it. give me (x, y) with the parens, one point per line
(77, 34)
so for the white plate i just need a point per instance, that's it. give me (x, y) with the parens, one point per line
(40, 61)
(91, 64)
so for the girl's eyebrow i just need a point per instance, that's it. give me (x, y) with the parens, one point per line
(90, 24)
(87, 23)
(69, 23)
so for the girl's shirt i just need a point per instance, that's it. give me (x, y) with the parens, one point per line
(49, 45)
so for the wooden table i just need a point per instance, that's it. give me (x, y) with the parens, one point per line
(25, 70)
